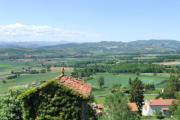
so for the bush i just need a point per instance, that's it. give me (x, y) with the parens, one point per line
(159, 114)
(33, 72)
(10, 106)
(12, 77)
(4, 81)
(43, 71)
(150, 87)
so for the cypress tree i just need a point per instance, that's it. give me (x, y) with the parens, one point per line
(137, 93)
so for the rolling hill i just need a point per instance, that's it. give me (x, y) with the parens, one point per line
(91, 49)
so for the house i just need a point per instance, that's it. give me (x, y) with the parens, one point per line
(34, 84)
(97, 108)
(158, 104)
(100, 106)
(133, 107)
(64, 98)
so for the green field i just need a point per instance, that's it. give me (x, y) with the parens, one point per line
(110, 79)
(7, 66)
(123, 79)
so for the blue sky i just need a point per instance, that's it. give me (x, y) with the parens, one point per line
(89, 20)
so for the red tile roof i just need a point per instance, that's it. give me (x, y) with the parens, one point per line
(133, 107)
(78, 85)
(100, 106)
(161, 101)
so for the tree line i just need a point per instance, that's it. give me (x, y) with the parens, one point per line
(118, 68)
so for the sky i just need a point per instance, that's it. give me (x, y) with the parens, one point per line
(89, 20)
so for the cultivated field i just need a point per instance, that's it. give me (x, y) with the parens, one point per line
(170, 63)
(24, 79)
(110, 79)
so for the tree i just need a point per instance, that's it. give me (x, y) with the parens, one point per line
(159, 114)
(115, 88)
(48, 68)
(10, 106)
(130, 81)
(177, 113)
(43, 71)
(138, 73)
(117, 108)
(172, 87)
(4, 81)
(137, 93)
(12, 72)
(177, 95)
(101, 81)
(150, 87)
(173, 107)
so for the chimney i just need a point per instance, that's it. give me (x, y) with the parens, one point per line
(62, 73)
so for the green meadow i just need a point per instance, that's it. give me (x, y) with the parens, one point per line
(123, 79)
(26, 79)
(7, 66)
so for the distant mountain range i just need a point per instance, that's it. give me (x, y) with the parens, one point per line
(140, 46)
(47, 49)
(30, 44)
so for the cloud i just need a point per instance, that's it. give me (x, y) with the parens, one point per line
(21, 32)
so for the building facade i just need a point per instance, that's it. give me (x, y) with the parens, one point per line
(151, 106)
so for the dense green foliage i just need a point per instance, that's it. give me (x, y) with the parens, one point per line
(172, 88)
(135, 67)
(101, 81)
(89, 70)
(118, 68)
(10, 106)
(115, 88)
(117, 108)
(137, 93)
(52, 101)
(173, 107)
(177, 113)
(158, 114)
(149, 87)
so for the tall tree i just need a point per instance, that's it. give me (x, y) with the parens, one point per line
(130, 81)
(101, 81)
(137, 93)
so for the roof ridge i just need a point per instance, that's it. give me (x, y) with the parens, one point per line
(76, 84)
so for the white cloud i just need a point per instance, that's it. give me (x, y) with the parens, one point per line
(21, 32)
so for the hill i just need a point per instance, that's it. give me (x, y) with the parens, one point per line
(91, 49)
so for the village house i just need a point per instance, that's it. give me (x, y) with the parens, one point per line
(158, 104)
(70, 84)
(133, 107)
(97, 108)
